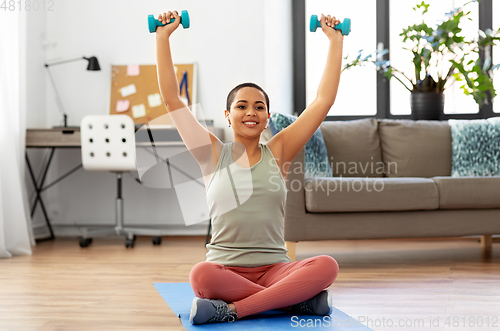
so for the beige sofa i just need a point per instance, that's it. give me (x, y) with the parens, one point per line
(391, 180)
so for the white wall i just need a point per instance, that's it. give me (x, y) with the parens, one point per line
(231, 42)
(36, 90)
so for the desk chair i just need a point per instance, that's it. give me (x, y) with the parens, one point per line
(108, 144)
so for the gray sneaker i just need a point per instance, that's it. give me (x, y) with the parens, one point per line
(321, 304)
(211, 311)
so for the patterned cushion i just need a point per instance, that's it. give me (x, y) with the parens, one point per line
(476, 147)
(316, 156)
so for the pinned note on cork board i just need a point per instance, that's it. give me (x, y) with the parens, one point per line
(135, 92)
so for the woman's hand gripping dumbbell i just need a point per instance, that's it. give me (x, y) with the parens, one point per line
(344, 27)
(170, 19)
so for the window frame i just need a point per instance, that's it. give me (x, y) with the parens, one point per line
(383, 87)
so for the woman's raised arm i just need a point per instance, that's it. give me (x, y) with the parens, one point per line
(202, 144)
(297, 134)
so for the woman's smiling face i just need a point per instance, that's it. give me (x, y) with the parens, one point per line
(248, 115)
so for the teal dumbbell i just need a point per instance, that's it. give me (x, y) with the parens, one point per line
(344, 27)
(153, 23)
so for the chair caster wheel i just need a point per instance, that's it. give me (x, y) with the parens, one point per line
(130, 242)
(156, 241)
(85, 242)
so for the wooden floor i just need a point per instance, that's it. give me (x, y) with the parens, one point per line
(108, 287)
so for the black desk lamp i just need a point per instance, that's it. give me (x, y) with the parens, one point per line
(92, 66)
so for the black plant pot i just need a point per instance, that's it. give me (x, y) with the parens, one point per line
(427, 105)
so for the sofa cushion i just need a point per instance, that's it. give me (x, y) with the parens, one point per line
(353, 148)
(316, 157)
(475, 147)
(468, 192)
(415, 148)
(370, 194)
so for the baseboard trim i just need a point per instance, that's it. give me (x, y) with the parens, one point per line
(170, 230)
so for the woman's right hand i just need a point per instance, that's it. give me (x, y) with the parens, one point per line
(169, 28)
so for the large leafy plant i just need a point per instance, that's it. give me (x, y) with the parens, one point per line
(441, 55)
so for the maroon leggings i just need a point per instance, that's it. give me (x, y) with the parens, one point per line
(274, 286)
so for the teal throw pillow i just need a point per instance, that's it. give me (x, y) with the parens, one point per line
(316, 156)
(475, 147)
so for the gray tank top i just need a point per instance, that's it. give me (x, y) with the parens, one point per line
(247, 208)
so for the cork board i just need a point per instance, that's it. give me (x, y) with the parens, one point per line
(135, 92)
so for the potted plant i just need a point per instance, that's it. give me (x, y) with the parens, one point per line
(440, 57)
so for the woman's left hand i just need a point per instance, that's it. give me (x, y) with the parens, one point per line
(327, 25)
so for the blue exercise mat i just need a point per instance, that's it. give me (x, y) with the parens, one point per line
(179, 297)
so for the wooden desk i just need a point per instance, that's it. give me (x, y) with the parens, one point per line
(52, 138)
(70, 138)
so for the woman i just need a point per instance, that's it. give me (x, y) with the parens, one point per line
(247, 270)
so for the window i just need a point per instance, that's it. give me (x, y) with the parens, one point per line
(372, 94)
(402, 15)
(357, 89)
(496, 56)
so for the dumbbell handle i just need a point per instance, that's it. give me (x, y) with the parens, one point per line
(154, 23)
(344, 27)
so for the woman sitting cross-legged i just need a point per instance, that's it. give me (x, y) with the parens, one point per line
(247, 270)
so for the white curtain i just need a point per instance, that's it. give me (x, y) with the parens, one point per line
(15, 230)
